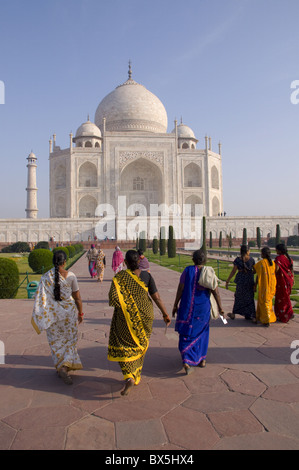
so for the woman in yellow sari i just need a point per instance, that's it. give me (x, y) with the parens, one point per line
(58, 310)
(132, 320)
(100, 263)
(266, 282)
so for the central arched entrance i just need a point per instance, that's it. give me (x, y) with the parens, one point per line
(141, 183)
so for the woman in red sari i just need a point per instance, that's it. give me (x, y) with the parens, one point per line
(285, 280)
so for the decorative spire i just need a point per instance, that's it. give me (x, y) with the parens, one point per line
(130, 71)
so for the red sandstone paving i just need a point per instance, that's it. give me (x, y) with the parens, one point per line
(246, 397)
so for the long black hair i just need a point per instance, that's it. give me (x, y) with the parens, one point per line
(243, 252)
(59, 259)
(266, 252)
(132, 259)
(284, 251)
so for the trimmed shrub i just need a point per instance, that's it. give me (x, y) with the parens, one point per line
(71, 251)
(142, 241)
(204, 240)
(155, 245)
(9, 278)
(44, 245)
(171, 244)
(251, 243)
(244, 240)
(62, 248)
(18, 247)
(258, 237)
(41, 260)
(293, 240)
(162, 243)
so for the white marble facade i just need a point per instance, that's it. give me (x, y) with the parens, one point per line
(127, 160)
(128, 152)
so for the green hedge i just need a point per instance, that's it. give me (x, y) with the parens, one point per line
(18, 247)
(43, 244)
(40, 260)
(72, 251)
(9, 278)
(62, 248)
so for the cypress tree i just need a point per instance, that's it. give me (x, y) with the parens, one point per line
(211, 240)
(142, 241)
(258, 237)
(244, 241)
(230, 240)
(171, 244)
(155, 246)
(204, 242)
(162, 244)
(277, 238)
(220, 240)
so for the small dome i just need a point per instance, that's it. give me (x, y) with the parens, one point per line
(88, 129)
(185, 132)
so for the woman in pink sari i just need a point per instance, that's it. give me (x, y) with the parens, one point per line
(117, 260)
(285, 280)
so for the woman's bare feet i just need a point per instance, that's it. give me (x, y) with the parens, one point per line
(128, 385)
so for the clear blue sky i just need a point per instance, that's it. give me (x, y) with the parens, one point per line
(225, 66)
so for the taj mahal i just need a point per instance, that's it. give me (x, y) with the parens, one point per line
(127, 160)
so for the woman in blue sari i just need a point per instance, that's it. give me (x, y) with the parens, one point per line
(193, 308)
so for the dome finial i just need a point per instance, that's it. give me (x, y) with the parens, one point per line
(88, 117)
(130, 70)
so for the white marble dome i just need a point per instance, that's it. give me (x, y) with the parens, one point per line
(185, 132)
(131, 107)
(88, 129)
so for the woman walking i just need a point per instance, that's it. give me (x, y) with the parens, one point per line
(92, 261)
(100, 264)
(266, 282)
(117, 260)
(284, 283)
(244, 296)
(132, 320)
(193, 308)
(58, 310)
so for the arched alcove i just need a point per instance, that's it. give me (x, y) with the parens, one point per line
(192, 176)
(87, 175)
(87, 206)
(141, 183)
(214, 178)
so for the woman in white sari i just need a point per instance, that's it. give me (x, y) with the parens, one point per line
(58, 310)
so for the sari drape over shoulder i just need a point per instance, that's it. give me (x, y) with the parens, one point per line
(131, 324)
(266, 291)
(58, 319)
(117, 260)
(193, 318)
(285, 280)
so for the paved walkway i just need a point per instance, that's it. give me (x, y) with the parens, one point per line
(246, 398)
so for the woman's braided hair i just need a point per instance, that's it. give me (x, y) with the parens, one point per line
(266, 252)
(59, 258)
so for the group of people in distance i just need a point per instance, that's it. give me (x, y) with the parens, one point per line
(273, 279)
(58, 307)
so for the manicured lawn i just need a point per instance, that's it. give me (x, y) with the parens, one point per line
(26, 273)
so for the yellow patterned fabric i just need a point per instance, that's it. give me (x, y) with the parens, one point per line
(100, 265)
(131, 324)
(266, 291)
(59, 319)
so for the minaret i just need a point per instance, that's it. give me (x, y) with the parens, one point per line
(31, 210)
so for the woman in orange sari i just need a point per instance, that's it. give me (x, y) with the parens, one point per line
(285, 280)
(266, 282)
